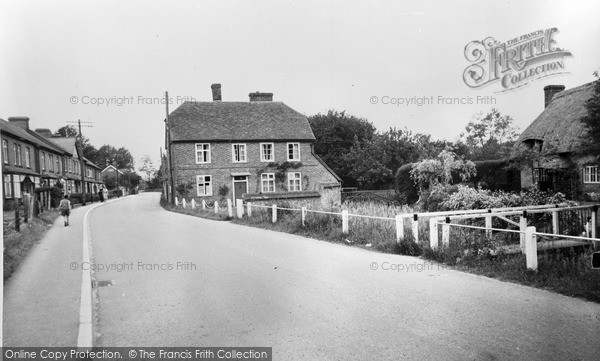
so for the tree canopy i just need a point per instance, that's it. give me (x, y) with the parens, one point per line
(489, 136)
(592, 119)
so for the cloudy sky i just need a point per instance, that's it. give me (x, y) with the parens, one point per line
(61, 58)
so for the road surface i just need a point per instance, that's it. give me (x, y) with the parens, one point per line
(185, 281)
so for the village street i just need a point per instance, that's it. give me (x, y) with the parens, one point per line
(185, 281)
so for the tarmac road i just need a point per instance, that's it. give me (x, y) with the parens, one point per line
(187, 281)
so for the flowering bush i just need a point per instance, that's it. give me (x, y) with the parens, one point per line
(465, 197)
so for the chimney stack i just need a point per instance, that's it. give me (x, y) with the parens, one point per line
(550, 91)
(44, 132)
(216, 92)
(261, 97)
(21, 122)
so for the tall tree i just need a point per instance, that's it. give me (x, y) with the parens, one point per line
(147, 167)
(592, 120)
(336, 133)
(489, 136)
(107, 154)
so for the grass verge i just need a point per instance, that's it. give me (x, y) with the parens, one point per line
(18, 245)
(566, 271)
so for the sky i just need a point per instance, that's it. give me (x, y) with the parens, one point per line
(109, 62)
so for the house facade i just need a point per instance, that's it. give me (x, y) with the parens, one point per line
(554, 146)
(258, 150)
(33, 159)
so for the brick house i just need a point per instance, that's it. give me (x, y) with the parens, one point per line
(554, 142)
(33, 159)
(258, 150)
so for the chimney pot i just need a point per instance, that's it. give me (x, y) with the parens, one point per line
(21, 122)
(261, 97)
(216, 92)
(550, 91)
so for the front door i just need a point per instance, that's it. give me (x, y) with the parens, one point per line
(240, 186)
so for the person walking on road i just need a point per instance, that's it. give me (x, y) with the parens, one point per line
(65, 209)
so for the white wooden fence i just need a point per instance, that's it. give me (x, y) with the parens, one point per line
(528, 236)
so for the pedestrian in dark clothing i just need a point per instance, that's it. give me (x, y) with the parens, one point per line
(65, 209)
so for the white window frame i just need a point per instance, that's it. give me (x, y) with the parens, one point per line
(294, 181)
(203, 150)
(262, 153)
(5, 150)
(239, 156)
(50, 163)
(267, 179)
(591, 174)
(7, 186)
(208, 189)
(292, 159)
(43, 160)
(19, 156)
(27, 157)
(57, 164)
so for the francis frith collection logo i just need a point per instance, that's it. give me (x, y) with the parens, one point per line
(515, 62)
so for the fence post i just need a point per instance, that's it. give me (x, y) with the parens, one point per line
(25, 208)
(249, 209)
(488, 225)
(594, 218)
(229, 208)
(433, 233)
(531, 249)
(216, 207)
(555, 229)
(274, 208)
(523, 228)
(240, 207)
(345, 221)
(203, 204)
(399, 228)
(446, 232)
(183, 203)
(17, 219)
(303, 216)
(50, 202)
(193, 204)
(415, 227)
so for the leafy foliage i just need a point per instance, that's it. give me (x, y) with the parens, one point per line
(489, 136)
(441, 170)
(336, 133)
(592, 119)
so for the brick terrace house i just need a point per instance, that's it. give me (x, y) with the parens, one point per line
(256, 150)
(555, 138)
(30, 159)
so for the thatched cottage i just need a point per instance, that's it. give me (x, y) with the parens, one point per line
(551, 147)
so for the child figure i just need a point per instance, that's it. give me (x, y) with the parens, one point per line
(65, 209)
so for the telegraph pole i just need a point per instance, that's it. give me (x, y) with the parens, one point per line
(168, 129)
(81, 160)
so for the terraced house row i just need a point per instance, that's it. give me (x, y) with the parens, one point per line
(33, 159)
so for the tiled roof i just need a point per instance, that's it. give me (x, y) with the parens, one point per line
(238, 121)
(68, 144)
(16, 131)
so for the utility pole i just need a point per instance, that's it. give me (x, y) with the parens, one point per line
(168, 130)
(81, 160)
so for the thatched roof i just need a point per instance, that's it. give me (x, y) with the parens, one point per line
(559, 126)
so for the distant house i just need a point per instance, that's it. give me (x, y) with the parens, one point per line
(72, 164)
(256, 150)
(554, 142)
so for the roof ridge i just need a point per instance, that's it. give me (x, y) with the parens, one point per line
(570, 91)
